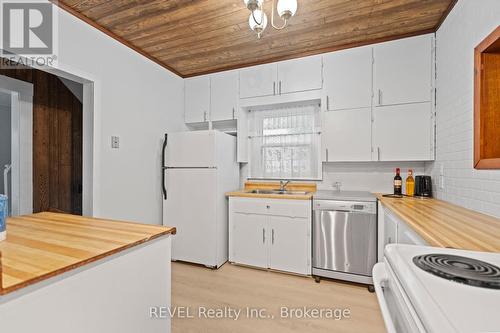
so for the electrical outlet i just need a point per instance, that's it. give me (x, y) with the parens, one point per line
(115, 142)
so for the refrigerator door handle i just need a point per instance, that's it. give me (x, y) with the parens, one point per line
(163, 167)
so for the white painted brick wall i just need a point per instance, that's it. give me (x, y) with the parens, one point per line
(359, 176)
(465, 27)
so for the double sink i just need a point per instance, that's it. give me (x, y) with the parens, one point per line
(283, 192)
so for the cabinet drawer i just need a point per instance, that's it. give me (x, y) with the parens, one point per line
(276, 207)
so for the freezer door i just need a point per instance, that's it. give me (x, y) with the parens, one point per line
(344, 241)
(191, 208)
(195, 149)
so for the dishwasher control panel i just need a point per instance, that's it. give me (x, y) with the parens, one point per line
(349, 206)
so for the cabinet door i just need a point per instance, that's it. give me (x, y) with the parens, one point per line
(290, 248)
(407, 236)
(403, 132)
(197, 99)
(300, 75)
(258, 81)
(249, 239)
(390, 230)
(403, 71)
(348, 78)
(223, 95)
(346, 135)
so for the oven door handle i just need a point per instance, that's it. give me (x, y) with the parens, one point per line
(379, 279)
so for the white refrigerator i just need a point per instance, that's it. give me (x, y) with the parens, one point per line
(199, 167)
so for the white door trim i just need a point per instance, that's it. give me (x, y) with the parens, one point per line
(91, 134)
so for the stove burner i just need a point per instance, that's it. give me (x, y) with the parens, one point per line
(460, 269)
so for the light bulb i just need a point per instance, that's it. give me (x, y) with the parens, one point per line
(286, 8)
(253, 4)
(255, 18)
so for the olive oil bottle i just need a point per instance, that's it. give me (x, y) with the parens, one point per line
(410, 183)
(398, 183)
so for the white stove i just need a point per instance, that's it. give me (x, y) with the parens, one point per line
(441, 290)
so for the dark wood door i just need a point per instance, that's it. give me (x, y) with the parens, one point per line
(57, 142)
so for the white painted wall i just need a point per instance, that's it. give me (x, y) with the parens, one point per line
(136, 100)
(467, 25)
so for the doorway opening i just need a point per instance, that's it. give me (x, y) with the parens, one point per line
(56, 143)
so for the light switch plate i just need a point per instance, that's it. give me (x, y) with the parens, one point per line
(115, 142)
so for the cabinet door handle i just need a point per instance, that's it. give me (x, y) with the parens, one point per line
(263, 236)
(272, 236)
(274, 88)
(327, 154)
(378, 153)
(204, 115)
(327, 103)
(233, 112)
(280, 87)
(379, 97)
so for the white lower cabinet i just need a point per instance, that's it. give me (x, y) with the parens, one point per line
(249, 234)
(270, 233)
(397, 231)
(390, 230)
(406, 235)
(290, 246)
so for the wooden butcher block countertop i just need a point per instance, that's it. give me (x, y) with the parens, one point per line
(44, 245)
(443, 224)
(250, 186)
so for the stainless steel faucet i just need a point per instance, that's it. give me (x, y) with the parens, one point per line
(283, 184)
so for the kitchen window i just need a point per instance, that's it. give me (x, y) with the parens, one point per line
(285, 142)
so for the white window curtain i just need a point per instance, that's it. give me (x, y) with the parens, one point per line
(285, 143)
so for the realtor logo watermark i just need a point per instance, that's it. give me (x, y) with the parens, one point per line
(28, 32)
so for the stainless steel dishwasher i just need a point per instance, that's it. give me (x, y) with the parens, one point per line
(344, 236)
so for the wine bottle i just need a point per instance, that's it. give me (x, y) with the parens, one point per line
(398, 183)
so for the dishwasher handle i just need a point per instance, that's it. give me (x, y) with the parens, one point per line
(346, 206)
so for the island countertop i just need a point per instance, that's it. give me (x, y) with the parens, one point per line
(43, 245)
(443, 224)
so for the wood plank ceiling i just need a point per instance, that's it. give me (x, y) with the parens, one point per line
(193, 37)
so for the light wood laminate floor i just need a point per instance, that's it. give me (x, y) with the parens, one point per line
(198, 288)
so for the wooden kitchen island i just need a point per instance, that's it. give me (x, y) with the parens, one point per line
(65, 273)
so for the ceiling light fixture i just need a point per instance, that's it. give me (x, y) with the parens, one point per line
(258, 18)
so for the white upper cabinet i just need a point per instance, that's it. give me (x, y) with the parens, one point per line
(403, 71)
(258, 81)
(347, 135)
(282, 78)
(224, 95)
(348, 78)
(197, 99)
(403, 132)
(300, 75)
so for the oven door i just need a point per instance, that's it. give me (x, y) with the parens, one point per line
(399, 316)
